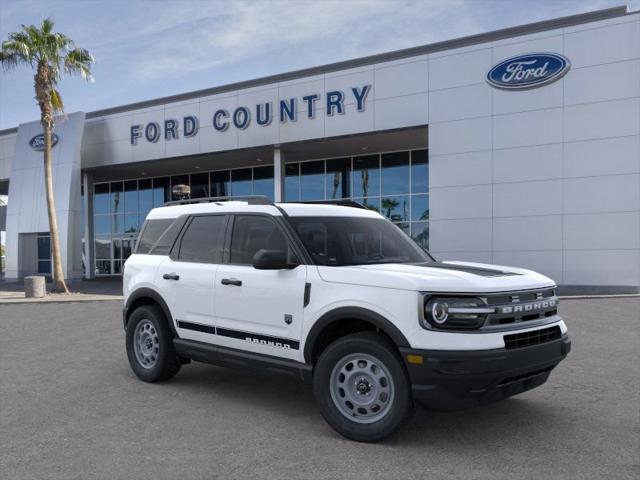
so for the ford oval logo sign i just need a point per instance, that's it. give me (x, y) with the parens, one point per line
(528, 71)
(37, 142)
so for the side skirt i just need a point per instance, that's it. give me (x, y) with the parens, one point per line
(232, 358)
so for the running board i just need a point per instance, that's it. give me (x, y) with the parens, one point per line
(232, 358)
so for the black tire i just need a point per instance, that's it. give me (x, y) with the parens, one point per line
(166, 363)
(399, 408)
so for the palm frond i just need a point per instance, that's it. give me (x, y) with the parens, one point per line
(56, 101)
(79, 61)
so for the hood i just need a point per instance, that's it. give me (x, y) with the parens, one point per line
(452, 277)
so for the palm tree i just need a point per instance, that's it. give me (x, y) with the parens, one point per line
(50, 55)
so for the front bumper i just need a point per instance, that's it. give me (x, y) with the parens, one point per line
(449, 380)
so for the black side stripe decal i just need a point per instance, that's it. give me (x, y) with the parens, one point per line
(240, 335)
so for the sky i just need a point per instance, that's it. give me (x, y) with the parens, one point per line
(150, 49)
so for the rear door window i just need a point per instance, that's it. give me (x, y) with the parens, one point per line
(203, 239)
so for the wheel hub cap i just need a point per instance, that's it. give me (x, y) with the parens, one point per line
(146, 345)
(362, 388)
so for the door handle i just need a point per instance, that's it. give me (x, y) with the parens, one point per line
(231, 281)
(171, 276)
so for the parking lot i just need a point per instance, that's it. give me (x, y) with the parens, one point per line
(70, 408)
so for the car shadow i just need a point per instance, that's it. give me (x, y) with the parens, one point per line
(289, 400)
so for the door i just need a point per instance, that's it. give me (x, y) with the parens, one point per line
(188, 276)
(259, 310)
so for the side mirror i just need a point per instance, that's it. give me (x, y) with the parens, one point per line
(272, 260)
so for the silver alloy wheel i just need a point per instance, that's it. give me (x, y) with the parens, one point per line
(362, 388)
(146, 344)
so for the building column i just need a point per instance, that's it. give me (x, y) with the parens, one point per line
(278, 174)
(87, 221)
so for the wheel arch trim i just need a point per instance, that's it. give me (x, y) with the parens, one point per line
(145, 292)
(352, 313)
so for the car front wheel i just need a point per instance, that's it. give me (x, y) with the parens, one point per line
(362, 388)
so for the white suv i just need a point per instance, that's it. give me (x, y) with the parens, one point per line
(339, 296)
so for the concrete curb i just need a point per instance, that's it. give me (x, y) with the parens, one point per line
(62, 299)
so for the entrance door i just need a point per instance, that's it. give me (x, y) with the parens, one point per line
(259, 310)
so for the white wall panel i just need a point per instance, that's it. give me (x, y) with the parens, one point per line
(456, 70)
(602, 267)
(549, 96)
(603, 45)
(460, 235)
(602, 82)
(539, 162)
(601, 120)
(608, 156)
(460, 202)
(542, 232)
(472, 168)
(547, 41)
(602, 231)
(399, 80)
(459, 103)
(527, 198)
(351, 122)
(527, 128)
(460, 136)
(398, 112)
(616, 193)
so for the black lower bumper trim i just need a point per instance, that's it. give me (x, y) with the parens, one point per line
(448, 380)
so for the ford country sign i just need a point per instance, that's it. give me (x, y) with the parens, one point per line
(528, 71)
(37, 142)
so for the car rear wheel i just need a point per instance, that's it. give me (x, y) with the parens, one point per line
(362, 388)
(150, 345)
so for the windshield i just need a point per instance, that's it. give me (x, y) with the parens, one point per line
(340, 241)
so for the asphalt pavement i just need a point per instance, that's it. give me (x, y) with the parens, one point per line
(70, 408)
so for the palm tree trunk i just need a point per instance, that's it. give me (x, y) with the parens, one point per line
(59, 284)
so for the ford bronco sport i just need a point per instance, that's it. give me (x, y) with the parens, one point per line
(338, 296)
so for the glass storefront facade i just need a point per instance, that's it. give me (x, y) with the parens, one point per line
(396, 184)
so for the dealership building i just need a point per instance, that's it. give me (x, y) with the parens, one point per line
(515, 147)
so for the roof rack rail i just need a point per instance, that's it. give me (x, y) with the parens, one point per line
(342, 203)
(250, 199)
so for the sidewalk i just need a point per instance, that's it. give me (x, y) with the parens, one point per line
(81, 291)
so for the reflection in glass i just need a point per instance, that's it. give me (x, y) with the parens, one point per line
(292, 182)
(102, 224)
(103, 247)
(117, 248)
(420, 233)
(420, 207)
(117, 198)
(103, 267)
(419, 171)
(117, 223)
(179, 180)
(241, 182)
(199, 185)
(263, 181)
(312, 180)
(220, 184)
(366, 176)
(44, 267)
(160, 191)
(44, 247)
(396, 208)
(131, 224)
(145, 196)
(338, 178)
(370, 203)
(131, 196)
(101, 198)
(403, 226)
(395, 173)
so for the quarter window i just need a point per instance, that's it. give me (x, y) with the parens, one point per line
(203, 240)
(252, 233)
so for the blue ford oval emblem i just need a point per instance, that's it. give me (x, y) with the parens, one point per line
(528, 71)
(37, 142)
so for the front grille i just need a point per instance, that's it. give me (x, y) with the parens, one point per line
(516, 307)
(534, 337)
(524, 376)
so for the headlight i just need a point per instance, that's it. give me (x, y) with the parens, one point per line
(455, 313)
